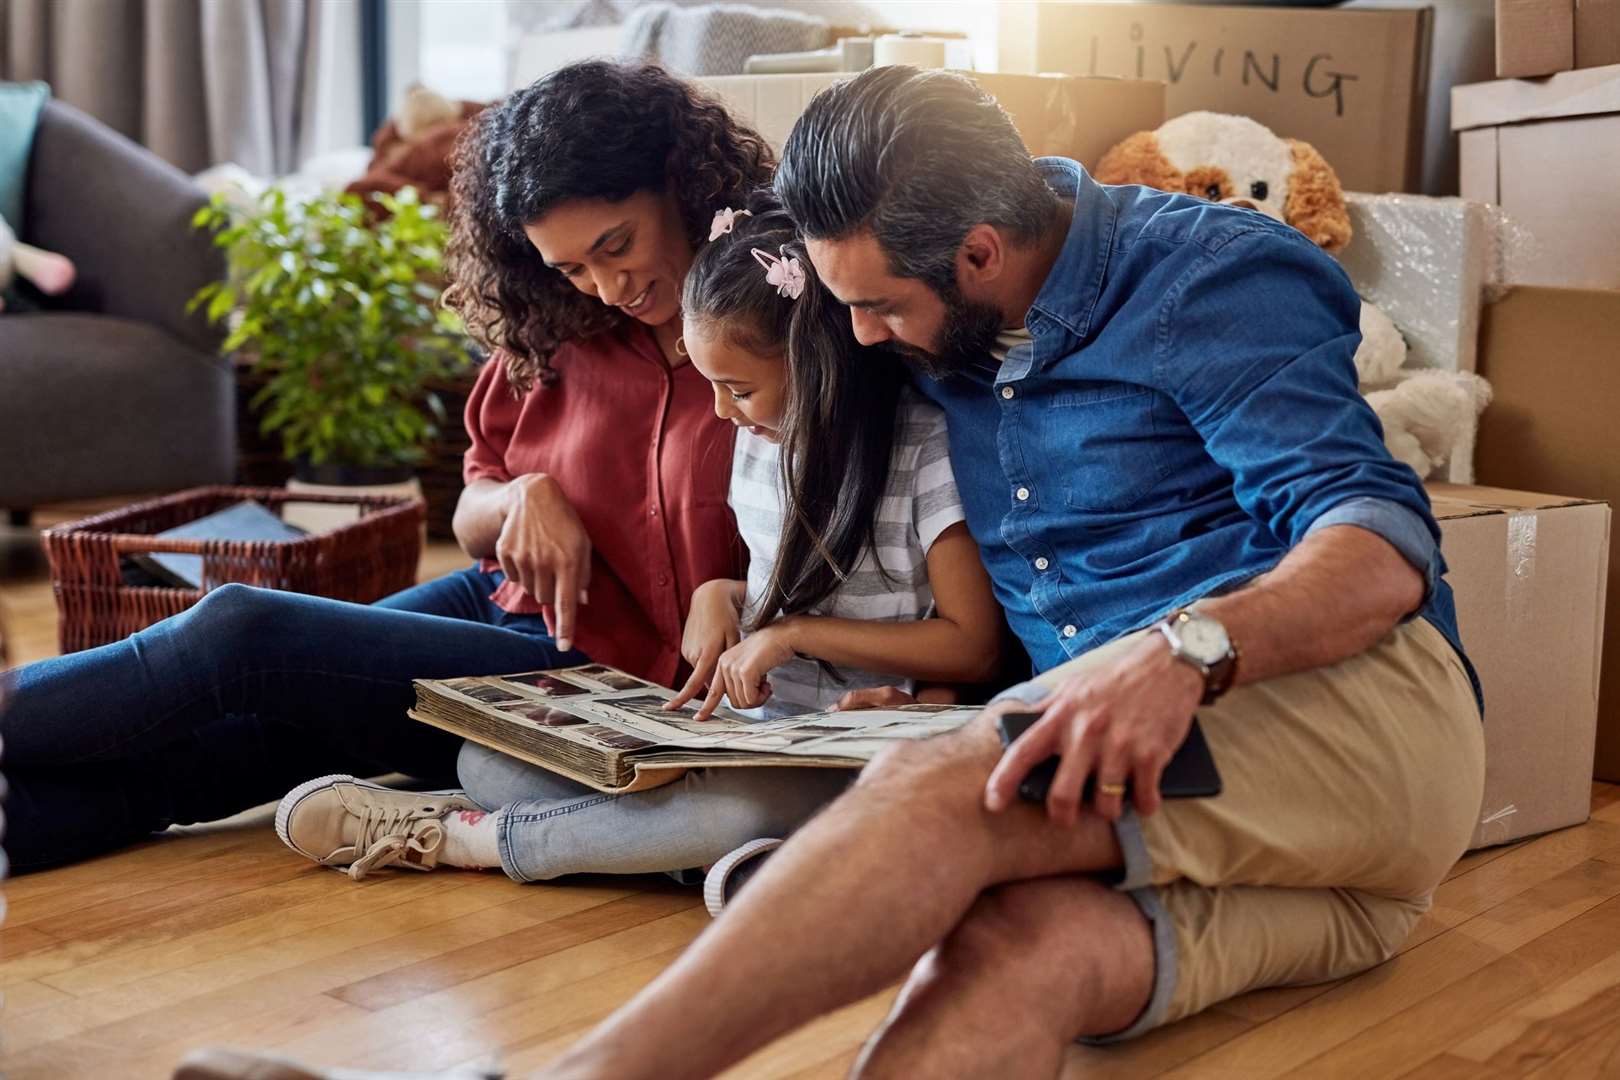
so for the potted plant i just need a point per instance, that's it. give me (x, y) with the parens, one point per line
(338, 308)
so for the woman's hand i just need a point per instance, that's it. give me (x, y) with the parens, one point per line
(713, 626)
(545, 549)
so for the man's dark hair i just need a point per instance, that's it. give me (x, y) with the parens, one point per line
(917, 157)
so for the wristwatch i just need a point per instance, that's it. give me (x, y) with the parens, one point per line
(1202, 642)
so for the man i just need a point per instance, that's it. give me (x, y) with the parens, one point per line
(1186, 508)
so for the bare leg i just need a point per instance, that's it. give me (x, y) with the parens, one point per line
(842, 910)
(1033, 965)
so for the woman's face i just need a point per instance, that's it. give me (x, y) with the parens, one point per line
(632, 254)
(749, 390)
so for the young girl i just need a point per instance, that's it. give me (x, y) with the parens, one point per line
(861, 570)
(863, 575)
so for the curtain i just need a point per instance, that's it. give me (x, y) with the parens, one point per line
(263, 83)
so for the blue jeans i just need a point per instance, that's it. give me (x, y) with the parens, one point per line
(549, 826)
(234, 701)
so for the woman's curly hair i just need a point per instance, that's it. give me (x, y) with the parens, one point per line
(599, 130)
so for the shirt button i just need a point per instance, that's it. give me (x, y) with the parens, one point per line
(1007, 393)
(1023, 494)
(663, 579)
(1042, 563)
(1070, 630)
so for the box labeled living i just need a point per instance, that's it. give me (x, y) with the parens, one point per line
(1352, 83)
(1548, 152)
(1553, 359)
(1528, 572)
(1070, 116)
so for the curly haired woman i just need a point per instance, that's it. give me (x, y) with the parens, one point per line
(595, 500)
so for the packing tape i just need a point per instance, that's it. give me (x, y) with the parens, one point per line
(1521, 565)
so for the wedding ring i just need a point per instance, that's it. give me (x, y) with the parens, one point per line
(1111, 789)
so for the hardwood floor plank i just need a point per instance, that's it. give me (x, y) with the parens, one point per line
(1454, 1010)
(521, 946)
(1353, 1007)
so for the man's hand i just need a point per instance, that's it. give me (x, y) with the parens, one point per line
(544, 548)
(713, 626)
(1122, 720)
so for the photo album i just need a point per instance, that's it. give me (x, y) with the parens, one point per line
(609, 730)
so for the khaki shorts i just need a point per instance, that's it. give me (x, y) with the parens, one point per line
(1348, 793)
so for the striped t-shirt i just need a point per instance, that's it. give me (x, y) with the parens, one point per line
(919, 502)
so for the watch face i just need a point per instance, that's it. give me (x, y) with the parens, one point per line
(1204, 640)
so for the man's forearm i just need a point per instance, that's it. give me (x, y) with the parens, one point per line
(1334, 596)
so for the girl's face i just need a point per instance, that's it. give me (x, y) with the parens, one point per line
(749, 390)
(632, 254)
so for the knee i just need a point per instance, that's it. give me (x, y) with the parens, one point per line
(480, 771)
(232, 612)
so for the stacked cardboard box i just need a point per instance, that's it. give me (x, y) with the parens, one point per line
(1544, 37)
(1548, 153)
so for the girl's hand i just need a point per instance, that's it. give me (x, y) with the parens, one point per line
(713, 626)
(875, 697)
(740, 675)
(544, 548)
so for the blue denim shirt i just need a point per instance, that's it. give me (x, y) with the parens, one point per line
(1186, 414)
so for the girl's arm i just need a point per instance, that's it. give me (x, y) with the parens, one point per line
(961, 644)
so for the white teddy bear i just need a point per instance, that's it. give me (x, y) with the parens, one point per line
(51, 273)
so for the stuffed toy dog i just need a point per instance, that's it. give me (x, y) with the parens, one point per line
(48, 272)
(412, 149)
(1429, 417)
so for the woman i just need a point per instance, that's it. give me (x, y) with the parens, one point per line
(595, 499)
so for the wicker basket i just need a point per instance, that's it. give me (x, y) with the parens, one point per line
(363, 561)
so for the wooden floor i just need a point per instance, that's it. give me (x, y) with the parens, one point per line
(115, 968)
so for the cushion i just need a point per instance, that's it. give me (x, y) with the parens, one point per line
(19, 115)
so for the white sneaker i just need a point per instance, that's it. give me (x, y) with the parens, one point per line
(734, 868)
(342, 821)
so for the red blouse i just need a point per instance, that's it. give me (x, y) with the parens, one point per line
(636, 447)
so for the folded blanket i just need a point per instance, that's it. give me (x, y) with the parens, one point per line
(20, 104)
(715, 39)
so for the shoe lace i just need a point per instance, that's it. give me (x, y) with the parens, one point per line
(391, 835)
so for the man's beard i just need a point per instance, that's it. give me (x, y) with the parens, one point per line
(964, 339)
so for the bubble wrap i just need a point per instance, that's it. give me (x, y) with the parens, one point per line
(1430, 264)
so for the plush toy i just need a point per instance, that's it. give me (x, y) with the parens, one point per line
(412, 149)
(50, 273)
(1429, 417)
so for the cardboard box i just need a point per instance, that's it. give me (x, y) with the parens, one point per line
(1079, 118)
(1553, 357)
(1534, 37)
(1548, 153)
(1597, 33)
(1352, 83)
(1544, 37)
(1528, 572)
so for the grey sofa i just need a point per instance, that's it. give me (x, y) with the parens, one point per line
(113, 389)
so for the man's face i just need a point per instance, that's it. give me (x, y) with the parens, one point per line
(941, 334)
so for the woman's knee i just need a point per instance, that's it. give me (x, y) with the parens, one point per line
(235, 613)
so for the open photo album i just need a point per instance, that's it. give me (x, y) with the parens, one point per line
(602, 727)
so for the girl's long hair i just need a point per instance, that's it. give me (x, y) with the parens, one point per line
(837, 432)
(592, 130)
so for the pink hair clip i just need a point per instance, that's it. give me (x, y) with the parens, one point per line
(786, 274)
(724, 221)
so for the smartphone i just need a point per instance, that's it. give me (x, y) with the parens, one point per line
(1190, 773)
